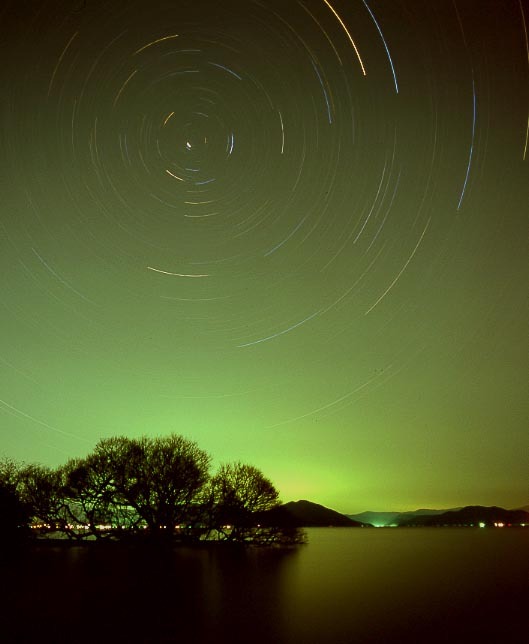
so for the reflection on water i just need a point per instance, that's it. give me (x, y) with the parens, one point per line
(346, 585)
(419, 585)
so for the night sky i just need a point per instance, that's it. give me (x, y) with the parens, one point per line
(293, 231)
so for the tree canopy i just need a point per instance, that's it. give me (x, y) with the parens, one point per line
(140, 488)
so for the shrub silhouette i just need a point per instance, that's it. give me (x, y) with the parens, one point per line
(14, 513)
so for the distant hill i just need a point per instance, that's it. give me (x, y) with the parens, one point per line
(470, 515)
(393, 518)
(305, 514)
(524, 508)
(404, 517)
(374, 518)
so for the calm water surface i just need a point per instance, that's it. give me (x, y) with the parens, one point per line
(346, 585)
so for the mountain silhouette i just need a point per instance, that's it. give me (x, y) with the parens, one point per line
(305, 514)
(469, 516)
(381, 519)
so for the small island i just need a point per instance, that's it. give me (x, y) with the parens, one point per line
(146, 489)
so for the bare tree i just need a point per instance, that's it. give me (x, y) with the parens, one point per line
(239, 491)
(42, 489)
(160, 484)
(160, 478)
(93, 500)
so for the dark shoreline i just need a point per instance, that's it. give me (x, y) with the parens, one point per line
(152, 542)
(142, 543)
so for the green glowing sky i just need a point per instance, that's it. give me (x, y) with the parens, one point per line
(213, 223)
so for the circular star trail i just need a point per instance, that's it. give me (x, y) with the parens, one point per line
(293, 227)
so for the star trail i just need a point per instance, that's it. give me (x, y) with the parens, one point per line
(293, 231)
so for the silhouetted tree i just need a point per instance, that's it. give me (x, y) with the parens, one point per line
(239, 491)
(92, 498)
(42, 490)
(14, 513)
(14, 516)
(127, 485)
(160, 478)
(9, 473)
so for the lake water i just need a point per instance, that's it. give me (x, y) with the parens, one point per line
(347, 585)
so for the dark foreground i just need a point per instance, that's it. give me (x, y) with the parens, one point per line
(415, 585)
